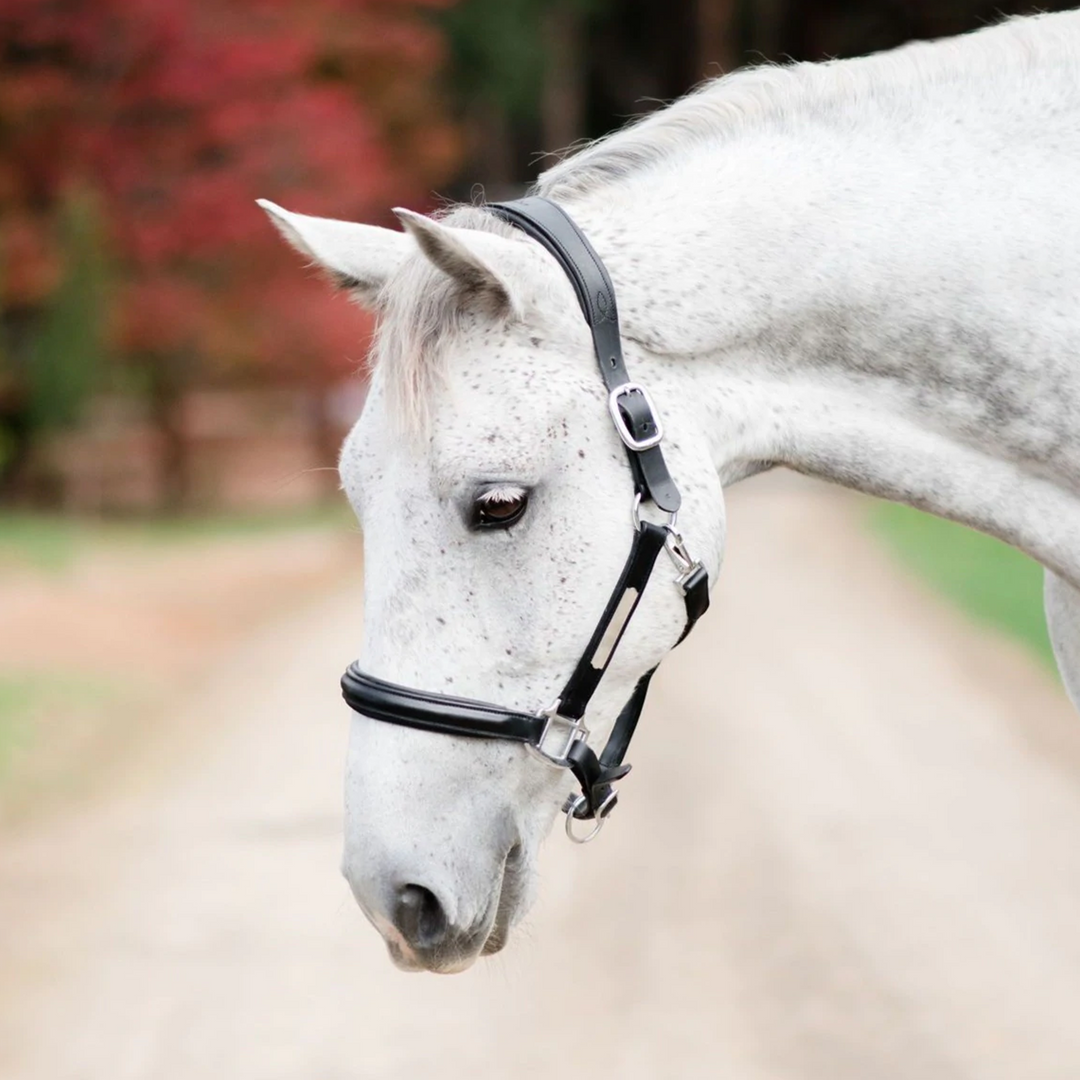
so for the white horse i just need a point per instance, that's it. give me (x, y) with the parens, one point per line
(865, 270)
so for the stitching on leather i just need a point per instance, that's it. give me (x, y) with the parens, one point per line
(601, 271)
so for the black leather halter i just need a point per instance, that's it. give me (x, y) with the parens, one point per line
(639, 429)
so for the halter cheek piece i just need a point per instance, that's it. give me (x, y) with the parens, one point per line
(558, 734)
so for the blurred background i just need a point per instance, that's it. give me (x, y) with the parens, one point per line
(173, 389)
(159, 351)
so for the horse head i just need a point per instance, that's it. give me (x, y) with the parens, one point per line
(495, 498)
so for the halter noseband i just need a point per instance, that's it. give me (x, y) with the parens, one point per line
(558, 734)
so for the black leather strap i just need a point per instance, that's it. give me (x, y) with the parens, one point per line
(403, 705)
(623, 602)
(596, 775)
(550, 225)
(695, 589)
(554, 229)
(626, 724)
(651, 477)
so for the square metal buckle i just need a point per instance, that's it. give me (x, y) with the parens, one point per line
(575, 731)
(621, 425)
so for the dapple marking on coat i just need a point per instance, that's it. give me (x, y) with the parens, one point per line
(865, 270)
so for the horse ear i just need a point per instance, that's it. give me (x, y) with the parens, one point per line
(466, 255)
(358, 258)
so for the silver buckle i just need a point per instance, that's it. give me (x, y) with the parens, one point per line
(575, 731)
(620, 421)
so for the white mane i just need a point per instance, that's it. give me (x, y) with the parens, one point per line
(773, 94)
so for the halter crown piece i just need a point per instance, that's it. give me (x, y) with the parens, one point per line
(558, 734)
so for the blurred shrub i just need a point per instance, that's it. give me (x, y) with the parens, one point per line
(177, 114)
(65, 357)
(499, 49)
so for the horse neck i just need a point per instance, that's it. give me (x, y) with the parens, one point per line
(888, 305)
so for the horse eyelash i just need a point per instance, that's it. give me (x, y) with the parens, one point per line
(501, 493)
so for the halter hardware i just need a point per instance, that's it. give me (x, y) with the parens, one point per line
(647, 421)
(638, 426)
(575, 809)
(575, 731)
(689, 568)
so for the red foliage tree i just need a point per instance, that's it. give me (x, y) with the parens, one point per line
(179, 113)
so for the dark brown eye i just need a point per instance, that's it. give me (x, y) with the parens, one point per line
(499, 508)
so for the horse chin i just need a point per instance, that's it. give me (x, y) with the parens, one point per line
(447, 962)
(406, 960)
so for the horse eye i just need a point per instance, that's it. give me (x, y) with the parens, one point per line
(498, 513)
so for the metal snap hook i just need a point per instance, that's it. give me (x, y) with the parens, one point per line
(676, 549)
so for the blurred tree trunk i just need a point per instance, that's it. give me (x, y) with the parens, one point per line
(491, 141)
(562, 102)
(18, 325)
(717, 34)
(166, 401)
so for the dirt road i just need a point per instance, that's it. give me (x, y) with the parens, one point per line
(850, 851)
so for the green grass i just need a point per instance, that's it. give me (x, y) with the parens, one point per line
(994, 583)
(51, 541)
(21, 697)
(45, 542)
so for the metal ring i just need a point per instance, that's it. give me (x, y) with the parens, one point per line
(598, 823)
(635, 515)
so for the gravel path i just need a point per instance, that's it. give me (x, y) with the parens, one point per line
(850, 851)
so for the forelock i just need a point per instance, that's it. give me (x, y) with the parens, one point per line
(422, 309)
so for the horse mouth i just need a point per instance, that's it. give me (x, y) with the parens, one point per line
(511, 892)
(507, 908)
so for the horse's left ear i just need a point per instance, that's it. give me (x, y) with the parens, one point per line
(358, 258)
(477, 261)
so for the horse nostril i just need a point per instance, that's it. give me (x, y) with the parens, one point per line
(420, 917)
